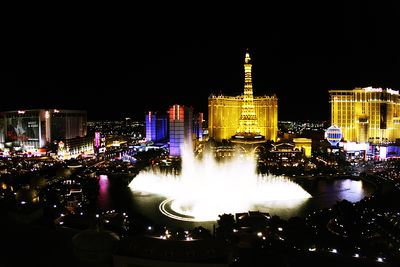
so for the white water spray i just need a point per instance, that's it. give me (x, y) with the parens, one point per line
(206, 188)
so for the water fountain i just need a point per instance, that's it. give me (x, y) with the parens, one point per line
(205, 188)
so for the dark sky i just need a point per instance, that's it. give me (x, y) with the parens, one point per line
(114, 69)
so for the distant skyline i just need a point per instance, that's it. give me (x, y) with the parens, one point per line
(113, 76)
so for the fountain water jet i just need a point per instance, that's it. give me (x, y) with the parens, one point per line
(206, 188)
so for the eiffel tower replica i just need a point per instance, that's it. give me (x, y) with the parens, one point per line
(248, 131)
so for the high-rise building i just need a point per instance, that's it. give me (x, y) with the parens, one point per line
(67, 124)
(156, 126)
(99, 142)
(366, 114)
(244, 115)
(33, 129)
(180, 128)
(198, 121)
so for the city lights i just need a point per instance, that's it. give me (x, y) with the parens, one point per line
(206, 178)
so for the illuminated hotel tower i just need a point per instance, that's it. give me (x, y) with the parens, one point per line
(237, 115)
(366, 114)
(156, 126)
(248, 120)
(180, 128)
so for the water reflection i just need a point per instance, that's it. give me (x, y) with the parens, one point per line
(103, 197)
(351, 190)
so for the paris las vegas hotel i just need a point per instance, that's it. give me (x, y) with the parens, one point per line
(243, 115)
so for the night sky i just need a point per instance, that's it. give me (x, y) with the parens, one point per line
(114, 70)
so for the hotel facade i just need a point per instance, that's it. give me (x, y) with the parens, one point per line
(180, 128)
(366, 114)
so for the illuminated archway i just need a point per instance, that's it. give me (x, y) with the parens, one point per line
(259, 149)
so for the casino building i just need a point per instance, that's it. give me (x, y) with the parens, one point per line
(180, 128)
(32, 129)
(156, 126)
(366, 114)
(245, 116)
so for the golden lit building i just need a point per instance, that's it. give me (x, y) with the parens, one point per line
(303, 144)
(243, 115)
(366, 114)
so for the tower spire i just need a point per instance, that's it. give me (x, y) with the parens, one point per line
(248, 120)
(247, 57)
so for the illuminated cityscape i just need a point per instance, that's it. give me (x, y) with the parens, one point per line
(223, 152)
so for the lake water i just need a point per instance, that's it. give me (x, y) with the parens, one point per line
(325, 193)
